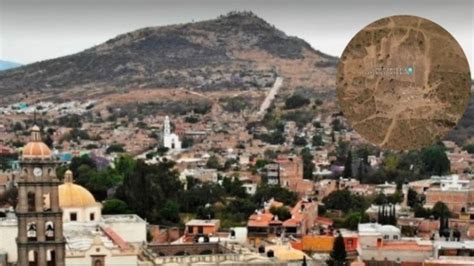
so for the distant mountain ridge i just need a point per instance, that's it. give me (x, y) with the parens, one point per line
(5, 65)
(171, 56)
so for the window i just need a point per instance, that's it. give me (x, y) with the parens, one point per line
(31, 202)
(49, 230)
(395, 237)
(31, 231)
(46, 202)
(349, 243)
(386, 237)
(73, 216)
(92, 216)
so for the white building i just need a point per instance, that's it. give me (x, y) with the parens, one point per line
(170, 140)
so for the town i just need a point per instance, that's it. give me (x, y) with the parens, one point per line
(214, 187)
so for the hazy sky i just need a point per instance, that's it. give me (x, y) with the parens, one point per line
(33, 30)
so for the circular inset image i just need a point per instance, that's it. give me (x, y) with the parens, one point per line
(403, 82)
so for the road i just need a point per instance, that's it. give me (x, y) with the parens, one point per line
(270, 97)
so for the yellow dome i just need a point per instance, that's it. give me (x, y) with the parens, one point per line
(36, 149)
(72, 195)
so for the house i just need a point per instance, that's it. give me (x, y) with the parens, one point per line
(456, 192)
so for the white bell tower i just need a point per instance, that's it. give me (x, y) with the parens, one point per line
(170, 140)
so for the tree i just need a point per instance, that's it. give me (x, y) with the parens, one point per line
(266, 192)
(187, 143)
(308, 165)
(147, 188)
(348, 165)
(296, 101)
(440, 210)
(300, 141)
(469, 148)
(213, 162)
(240, 209)
(233, 187)
(380, 199)
(353, 219)
(435, 161)
(282, 213)
(338, 254)
(170, 212)
(115, 206)
(318, 140)
(115, 148)
(162, 150)
(337, 125)
(49, 141)
(344, 201)
(412, 197)
(205, 213)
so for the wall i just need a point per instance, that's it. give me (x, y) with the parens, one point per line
(83, 214)
(8, 234)
(134, 232)
(395, 255)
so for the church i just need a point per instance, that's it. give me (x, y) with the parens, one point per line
(170, 140)
(60, 223)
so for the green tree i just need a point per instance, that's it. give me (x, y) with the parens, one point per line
(170, 212)
(348, 165)
(233, 187)
(469, 148)
(337, 125)
(353, 219)
(338, 254)
(149, 187)
(115, 148)
(187, 143)
(308, 165)
(213, 162)
(296, 101)
(240, 209)
(435, 161)
(345, 201)
(282, 212)
(441, 210)
(115, 206)
(300, 141)
(205, 213)
(412, 198)
(266, 192)
(318, 140)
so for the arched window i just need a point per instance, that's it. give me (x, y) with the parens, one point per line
(31, 202)
(31, 231)
(49, 230)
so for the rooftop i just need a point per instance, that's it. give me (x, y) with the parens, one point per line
(122, 218)
(198, 222)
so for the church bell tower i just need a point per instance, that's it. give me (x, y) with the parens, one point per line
(40, 240)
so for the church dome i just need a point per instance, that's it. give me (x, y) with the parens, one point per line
(74, 196)
(36, 149)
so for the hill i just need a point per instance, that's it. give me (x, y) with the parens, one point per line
(238, 50)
